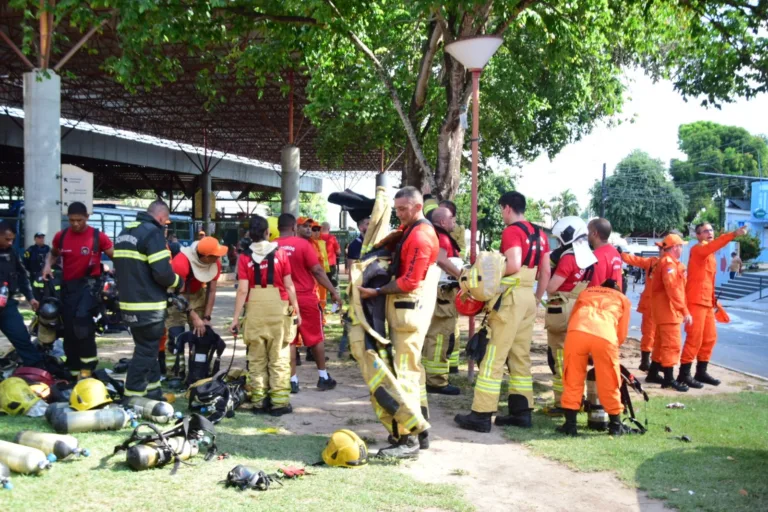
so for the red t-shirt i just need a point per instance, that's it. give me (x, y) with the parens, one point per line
(444, 242)
(568, 269)
(332, 246)
(608, 265)
(416, 255)
(183, 269)
(77, 254)
(245, 265)
(513, 236)
(303, 257)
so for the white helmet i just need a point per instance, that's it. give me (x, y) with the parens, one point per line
(573, 231)
(447, 278)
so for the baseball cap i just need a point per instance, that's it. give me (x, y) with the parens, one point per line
(37, 235)
(305, 220)
(209, 246)
(671, 240)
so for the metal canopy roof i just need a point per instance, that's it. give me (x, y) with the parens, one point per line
(248, 124)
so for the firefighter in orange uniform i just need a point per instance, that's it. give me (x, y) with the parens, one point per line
(598, 326)
(644, 306)
(701, 335)
(668, 307)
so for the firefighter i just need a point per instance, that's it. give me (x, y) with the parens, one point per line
(647, 327)
(608, 264)
(80, 247)
(13, 273)
(334, 252)
(572, 272)
(272, 308)
(511, 323)
(35, 256)
(599, 325)
(701, 335)
(322, 254)
(144, 275)
(668, 307)
(410, 298)
(457, 235)
(441, 339)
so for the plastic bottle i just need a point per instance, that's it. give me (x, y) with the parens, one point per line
(3, 295)
(62, 446)
(150, 455)
(23, 459)
(5, 477)
(152, 410)
(90, 421)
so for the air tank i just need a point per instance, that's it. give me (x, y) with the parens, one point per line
(152, 410)
(62, 446)
(55, 408)
(150, 455)
(90, 421)
(23, 459)
(5, 477)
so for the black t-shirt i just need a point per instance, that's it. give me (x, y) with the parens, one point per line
(355, 248)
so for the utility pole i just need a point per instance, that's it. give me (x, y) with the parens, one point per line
(602, 195)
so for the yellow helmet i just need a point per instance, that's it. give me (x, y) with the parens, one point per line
(345, 449)
(89, 394)
(273, 231)
(16, 398)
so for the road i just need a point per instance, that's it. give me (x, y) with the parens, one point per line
(741, 344)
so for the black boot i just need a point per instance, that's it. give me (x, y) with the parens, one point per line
(653, 374)
(616, 427)
(407, 447)
(702, 375)
(477, 421)
(519, 413)
(685, 377)
(670, 382)
(645, 361)
(569, 427)
(443, 390)
(424, 440)
(161, 361)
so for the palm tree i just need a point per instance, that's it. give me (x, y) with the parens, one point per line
(564, 205)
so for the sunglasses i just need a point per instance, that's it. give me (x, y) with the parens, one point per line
(315, 229)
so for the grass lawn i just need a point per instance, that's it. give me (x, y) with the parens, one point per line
(104, 483)
(725, 465)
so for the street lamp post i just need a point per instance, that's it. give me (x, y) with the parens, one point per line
(474, 53)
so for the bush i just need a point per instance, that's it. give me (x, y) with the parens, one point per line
(750, 247)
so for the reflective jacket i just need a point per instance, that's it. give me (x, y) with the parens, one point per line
(668, 294)
(702, 268)
(143, 271)
(12, 271)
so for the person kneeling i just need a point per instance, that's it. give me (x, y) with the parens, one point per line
(599, 325)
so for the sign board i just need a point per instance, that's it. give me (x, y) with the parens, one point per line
(759, 213)
(76, 186)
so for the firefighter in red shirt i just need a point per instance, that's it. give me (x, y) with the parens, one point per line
(80, 247)
(527, 251)
(608, 264)
(411, 298)
(334, 252)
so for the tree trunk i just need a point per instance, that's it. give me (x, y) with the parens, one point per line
(451, 137)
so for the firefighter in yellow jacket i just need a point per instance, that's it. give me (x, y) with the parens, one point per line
(526, 249)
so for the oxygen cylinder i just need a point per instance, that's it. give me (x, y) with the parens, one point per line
(61, 446)
(598, 418)
(5, 477)
(150, 455)
(56, 408)
(90, 421)
(23, 459)
(152, 410)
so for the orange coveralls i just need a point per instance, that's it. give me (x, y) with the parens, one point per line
(648, 328)
(668, 308)
(599, 325)
(700, 294)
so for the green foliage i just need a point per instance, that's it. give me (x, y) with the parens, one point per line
(715, 148)
(491, 185)
(749, 247)
(537, 210)
(564, 205)
(639, 197)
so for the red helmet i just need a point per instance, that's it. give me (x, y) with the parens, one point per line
(466, 305)
(32, 375)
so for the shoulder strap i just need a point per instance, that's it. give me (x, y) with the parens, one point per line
(270, 271)
(95, 246)
(395, 267)
(534, 237)
(61, 238)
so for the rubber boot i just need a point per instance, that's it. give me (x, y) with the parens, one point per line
(477, 421)
(161, 362)
(685, 377)
(670, 382)
(653, 374)
(569, 427)
(424, 440)
(645, 361)
(406, 448)
(443, 390)
(519, 413)
(702, 375)
(615, 426)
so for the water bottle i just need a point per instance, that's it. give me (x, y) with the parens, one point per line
(4, 295)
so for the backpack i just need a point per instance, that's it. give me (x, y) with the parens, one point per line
(483, 280)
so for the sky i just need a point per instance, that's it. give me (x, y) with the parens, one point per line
(658, 111)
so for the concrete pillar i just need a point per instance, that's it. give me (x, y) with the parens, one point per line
(42, 155)
(206, 183)
(291, 164)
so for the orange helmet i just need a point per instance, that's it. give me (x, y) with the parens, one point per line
(466, 305)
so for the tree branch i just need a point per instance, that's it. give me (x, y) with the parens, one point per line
(277, 18)
(383, 74)
(425, 67)
(445, 28)
(516, 12)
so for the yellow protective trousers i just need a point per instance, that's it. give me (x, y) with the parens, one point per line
(392, 369)
(440, 341)
(454, 356)
(511, 328)
(197, 303)
(559, 308)
(267, 318)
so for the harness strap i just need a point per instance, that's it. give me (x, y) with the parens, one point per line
(534, 237)
(270, 271)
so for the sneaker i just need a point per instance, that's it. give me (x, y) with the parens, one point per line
(279, 411)
(326, 384)
(444, 390)
(294, 387)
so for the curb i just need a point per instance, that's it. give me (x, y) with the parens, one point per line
(754, 376)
